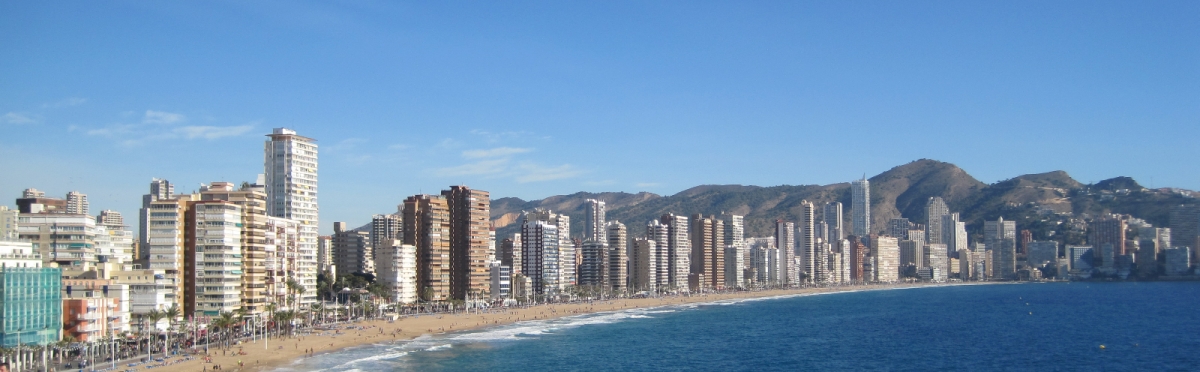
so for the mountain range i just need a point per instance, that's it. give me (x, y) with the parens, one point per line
(1046, 202)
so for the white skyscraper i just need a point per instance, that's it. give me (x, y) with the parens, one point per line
(657, 232)
(291, 179)
(735, 252)
(679, 251)
(860, 207)
(833, 221)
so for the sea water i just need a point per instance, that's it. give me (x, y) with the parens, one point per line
(1034, 326)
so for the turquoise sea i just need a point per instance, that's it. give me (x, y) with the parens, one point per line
(1021, 327)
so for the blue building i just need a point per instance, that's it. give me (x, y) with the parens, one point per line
(30, 305)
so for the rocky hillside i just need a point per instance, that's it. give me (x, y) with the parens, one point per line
(899, 192)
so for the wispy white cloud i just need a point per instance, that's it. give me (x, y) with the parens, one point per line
(158, 125)
(73, 101)
(530, 172)
(494, 153)
(493, 137)
(212, 132)
(449, 143)
(17, 118)
(489, 167)
(162, 117)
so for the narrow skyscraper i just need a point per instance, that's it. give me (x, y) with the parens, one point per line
(934, 210)
(860, 207)
(470, 251)
(291, 180)
(593, 219)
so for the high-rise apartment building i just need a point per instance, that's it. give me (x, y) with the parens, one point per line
(396, 270)
(857, 252)
(325, 261)
(994, 231)
(1004, 257)
(935, 208)
(785, 241)
(213, 258)
(159, 190)
(658, 233)
(593, 269)
(385, 228)
(290, 161)
(679, 251)
(282, 262)
(471, 247)
(617, 256)
(593, 219)
(540, 254)
(1151, 243)
(860, 207)
(77, 203)
(898, 228)
(352, 250)
(1108, 234)
(735, 252)
(567, 258)
(807, 242)
(427, 227)
(708, 251)
(1042, 253)
(642, 270)
(885, 259)
(832, 216)
(954, 233)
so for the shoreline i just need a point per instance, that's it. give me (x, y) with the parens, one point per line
(285, 351)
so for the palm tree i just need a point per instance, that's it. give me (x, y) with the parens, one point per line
(155, 316)
(227, 321)
(172, 314)
(270, 309)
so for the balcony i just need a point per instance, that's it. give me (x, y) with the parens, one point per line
(88, 316)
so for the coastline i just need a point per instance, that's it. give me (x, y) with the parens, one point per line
(264, 358)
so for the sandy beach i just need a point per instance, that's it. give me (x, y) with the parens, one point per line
(284, 351)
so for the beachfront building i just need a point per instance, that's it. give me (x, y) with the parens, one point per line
(807, 243)
(566, 260)
(885, 259)
(679, 251)
(427, 221)
(617, 257)
(31, 302)
(735, 252)
(592, 270)
(1040, 253)
(708, 251)
(656, 231)
(283, 262)
(95, 309)
(785, 241)
(642, 270)
(540, 256)
(352, 250)
(501, 276)
(472, 247)
(593, 219)
(860, 207)
(213, 259)
(396, 271)
(290, 161)
(68, 240)
(1178, 261)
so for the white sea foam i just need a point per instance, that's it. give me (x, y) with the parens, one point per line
(439, 347)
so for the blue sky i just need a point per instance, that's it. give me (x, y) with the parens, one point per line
(533, 99)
